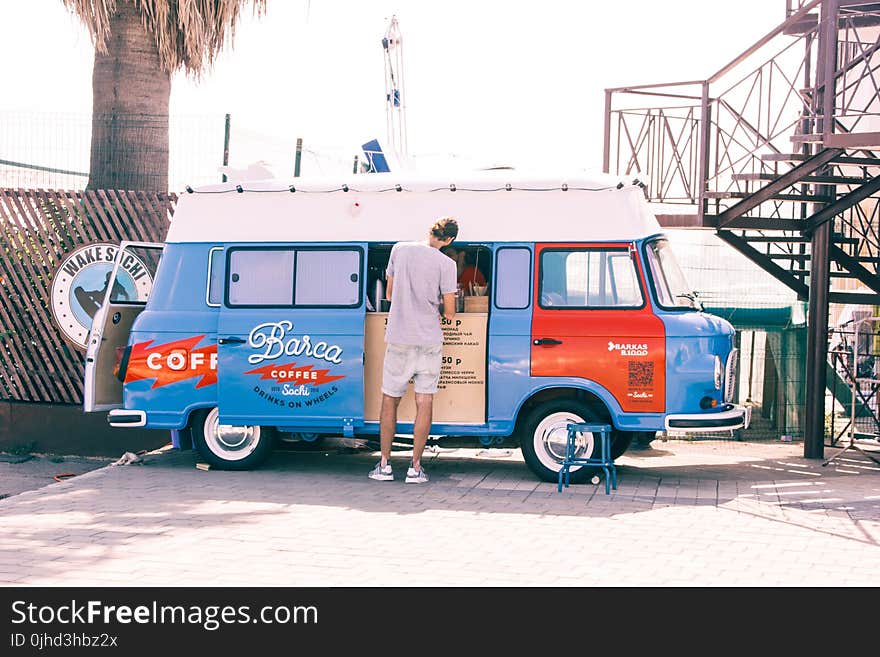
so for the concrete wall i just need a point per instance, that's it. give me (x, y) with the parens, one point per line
(64, 429)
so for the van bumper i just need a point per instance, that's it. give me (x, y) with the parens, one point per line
(122, 418)
(729, 417)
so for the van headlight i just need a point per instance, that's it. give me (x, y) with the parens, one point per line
(719, 372)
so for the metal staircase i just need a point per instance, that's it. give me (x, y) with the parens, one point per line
(779, 153)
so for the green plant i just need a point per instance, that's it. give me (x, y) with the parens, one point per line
(829, 425)
(22, 449)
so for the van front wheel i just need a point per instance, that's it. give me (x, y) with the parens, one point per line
(230, 447)
(545, 432)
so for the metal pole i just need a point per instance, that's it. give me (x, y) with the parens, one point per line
(355, 167)
(856, 388)
(606, 149)
(298, 158)
(705, 136)
(828, 72)
(226, 145)
(751, 365)
(820, 260)
(817, 343)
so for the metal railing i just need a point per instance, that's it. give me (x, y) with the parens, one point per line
(707, 143)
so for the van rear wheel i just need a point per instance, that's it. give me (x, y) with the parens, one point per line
(230, 447)
(545, 432)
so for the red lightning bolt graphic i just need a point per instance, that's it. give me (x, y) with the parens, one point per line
(192, 367)
(290, 374)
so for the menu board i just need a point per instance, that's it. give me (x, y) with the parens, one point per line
(461, 395)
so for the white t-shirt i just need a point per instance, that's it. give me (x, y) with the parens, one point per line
(421, 275)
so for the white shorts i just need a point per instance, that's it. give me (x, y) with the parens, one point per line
(404, 362)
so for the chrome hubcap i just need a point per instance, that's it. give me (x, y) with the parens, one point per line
(551, 436)
(230, 442)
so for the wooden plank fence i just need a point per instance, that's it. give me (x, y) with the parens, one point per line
(37, 228)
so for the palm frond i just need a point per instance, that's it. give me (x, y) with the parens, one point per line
(189, 34)
(95, 16)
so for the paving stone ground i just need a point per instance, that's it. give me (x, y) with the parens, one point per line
(686, 513)
(22, 472)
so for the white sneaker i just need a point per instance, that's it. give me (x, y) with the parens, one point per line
(414, 476)
(382, 474)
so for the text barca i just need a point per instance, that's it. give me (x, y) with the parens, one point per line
(272, 338)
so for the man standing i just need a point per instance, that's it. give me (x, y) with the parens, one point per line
(418, 275)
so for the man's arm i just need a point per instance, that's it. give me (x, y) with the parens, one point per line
(449, 306)
(448, 281)
(390, 271)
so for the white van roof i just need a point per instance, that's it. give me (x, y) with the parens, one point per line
(490, 206)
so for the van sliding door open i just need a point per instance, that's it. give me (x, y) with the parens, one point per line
(118, 298)
(461, 392)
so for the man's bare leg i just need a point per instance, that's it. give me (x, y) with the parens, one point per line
(387, 425)
(422, 425)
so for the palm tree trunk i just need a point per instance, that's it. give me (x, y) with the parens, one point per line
(130, 94)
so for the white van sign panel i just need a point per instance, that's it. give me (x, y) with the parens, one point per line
(80, 284)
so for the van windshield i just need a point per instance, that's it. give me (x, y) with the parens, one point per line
(670, 285)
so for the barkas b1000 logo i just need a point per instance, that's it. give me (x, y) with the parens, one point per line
(628, 348)
(81, 281)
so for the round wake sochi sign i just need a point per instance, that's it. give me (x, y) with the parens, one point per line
(81, 281)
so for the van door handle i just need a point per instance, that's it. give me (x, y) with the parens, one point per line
(540, 341)
(231, 340)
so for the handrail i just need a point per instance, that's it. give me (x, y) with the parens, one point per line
(779, 29)
(763, 41)
(654, 86)
(703, 142)
(654, 138)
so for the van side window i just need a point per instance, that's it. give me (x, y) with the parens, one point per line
(328, 277)
(215, 276)
(512, 272)
(260, 277)
(303, 277)
(589, 278)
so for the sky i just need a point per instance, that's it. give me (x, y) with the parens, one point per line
(486, 82)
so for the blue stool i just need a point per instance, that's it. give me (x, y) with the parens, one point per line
(604, 461)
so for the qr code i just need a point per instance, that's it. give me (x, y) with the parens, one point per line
(641, 374)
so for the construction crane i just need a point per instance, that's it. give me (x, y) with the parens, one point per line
(395, 100)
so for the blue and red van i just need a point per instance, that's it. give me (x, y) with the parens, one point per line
(266, 318)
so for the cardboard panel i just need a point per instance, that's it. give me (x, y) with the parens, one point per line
(461, 397)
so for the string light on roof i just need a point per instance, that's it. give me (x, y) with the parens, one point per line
(452, 187)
